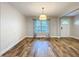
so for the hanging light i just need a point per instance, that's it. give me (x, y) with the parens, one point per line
(42, 16)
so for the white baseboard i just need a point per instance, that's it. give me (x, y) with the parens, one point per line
(65, 36)
(75, 37)
(30, 36)
(11, 45)
(55, 36)
(60, 36)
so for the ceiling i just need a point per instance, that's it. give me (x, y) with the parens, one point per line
(73, 13)
(51, 8)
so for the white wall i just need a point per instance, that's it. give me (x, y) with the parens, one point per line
(11, 27)
(75, 27)
(29, 26)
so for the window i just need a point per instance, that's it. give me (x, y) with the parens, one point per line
(76, 22)
(40, 26)
(65, 21)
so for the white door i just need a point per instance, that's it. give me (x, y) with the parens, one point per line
(65, 27)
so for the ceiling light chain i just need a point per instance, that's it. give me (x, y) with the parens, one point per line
(42, 16)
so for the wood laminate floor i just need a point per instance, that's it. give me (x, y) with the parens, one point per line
(63, 47)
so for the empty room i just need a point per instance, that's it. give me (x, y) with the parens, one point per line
(39, 29)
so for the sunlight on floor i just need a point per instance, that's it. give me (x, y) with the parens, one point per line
(41, 49)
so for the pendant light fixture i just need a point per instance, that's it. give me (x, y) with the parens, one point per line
(42, 16)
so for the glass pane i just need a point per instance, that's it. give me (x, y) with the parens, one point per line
(45, 26)
(40, 26)
(44, 23)
(36, 26)
(45, 31)
(76, 22)
(65, 21)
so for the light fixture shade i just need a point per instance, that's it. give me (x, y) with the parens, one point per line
(42, 17)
